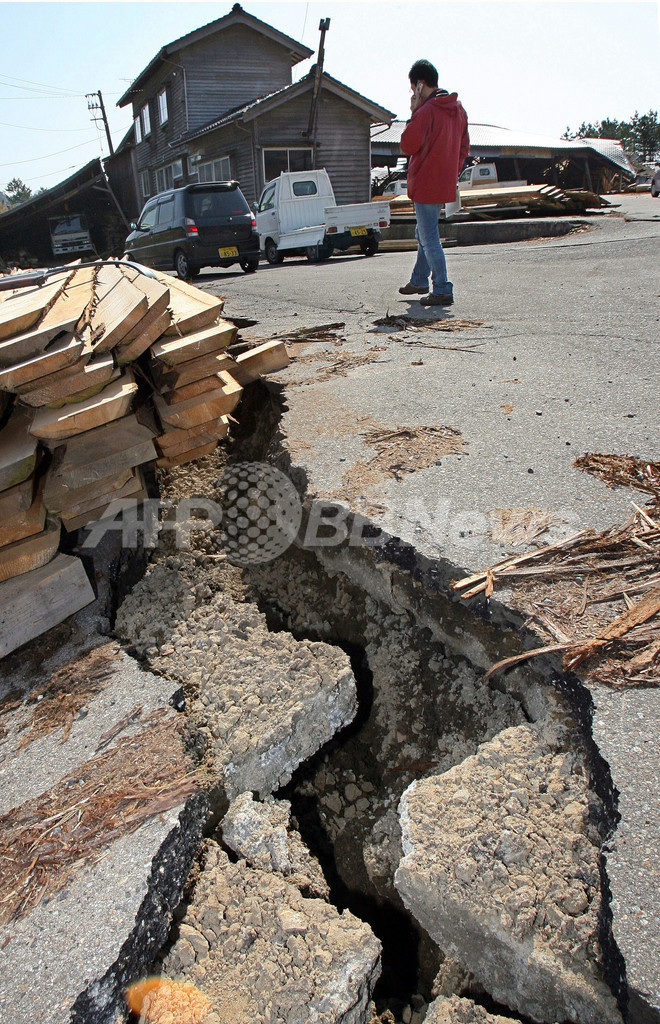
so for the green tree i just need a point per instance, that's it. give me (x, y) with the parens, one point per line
(18, 191)
(640, 135)
(645, 134)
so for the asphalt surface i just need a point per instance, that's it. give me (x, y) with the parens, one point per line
(564, 361)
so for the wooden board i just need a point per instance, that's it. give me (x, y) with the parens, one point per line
(197, 387)
(73, 300)
(16, 499)
(59, 356)
(28, 554)
(192, 309)
(204, 407)
(128, 353)
(196, 436)
(199, 343)
(25, 308)
(96, 514)
(102, 452)
(111, 404)
(266, 358)
(168, 378)
(133, 485)
(119, 307)
(158, 298)
(33, 342)
(18, 450)
(96, 373)
(25, 523)
(36, 601)
(58, 497)
(168, 462)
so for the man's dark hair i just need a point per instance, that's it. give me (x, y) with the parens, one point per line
(423, 71)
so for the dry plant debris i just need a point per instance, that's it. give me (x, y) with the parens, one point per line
(398, 451)
(513, 526)
(596, 595)
(622, 470)
(44, 841)
(340, 363)
(55, 704)
(414, 324)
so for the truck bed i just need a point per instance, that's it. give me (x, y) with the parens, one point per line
(354, 215)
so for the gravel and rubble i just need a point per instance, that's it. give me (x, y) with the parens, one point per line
(262, 834)
(501, 867)
(262, 952)
(461, 1011)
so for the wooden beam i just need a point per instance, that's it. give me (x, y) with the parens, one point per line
(118, 308)
(204, 407)
(25, 308)
(59, 356)
(30, 553)
(128, 353)
(192, 309)
(102, 452)
(25, 523)
(266, 358)
(198, 343)
(113, 402)
(94, 374)
(18, 450)
(167, 378)
(41, 599)
(33, 342)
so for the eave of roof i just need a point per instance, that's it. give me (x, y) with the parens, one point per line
(237, 16)
(263, 104)
(85, 177)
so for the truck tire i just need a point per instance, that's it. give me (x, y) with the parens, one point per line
(369, 246)
(273, 255)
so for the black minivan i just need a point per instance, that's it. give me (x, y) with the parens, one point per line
(206, 225)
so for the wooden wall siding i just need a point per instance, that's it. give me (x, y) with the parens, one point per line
(231, 68)
(154, 151)
(237, 145)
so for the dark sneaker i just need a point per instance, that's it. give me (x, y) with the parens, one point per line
(437, 300)
(409, 289)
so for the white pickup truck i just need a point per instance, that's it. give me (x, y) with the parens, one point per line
(297, 215)
(483, 174)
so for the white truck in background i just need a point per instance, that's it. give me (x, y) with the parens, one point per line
(483, 174)
(297, 215)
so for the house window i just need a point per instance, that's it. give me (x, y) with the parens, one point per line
(177, 170)
(215, 170)
(164, 178)
(163, 115)
(278, 160)
(138, 130)
(145, 184)
(146, 121)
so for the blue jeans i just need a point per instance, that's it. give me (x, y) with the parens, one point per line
(430, 256)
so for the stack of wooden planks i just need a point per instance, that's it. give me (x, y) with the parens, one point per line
(103, 370)
(538, 200)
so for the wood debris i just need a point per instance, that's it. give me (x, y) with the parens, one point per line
(622, 470)
(596, 596)
(111, 369)
(413, 324)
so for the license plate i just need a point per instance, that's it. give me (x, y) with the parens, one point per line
(358, 231)
(228, 250)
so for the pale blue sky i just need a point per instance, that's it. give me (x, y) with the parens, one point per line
(535, 66)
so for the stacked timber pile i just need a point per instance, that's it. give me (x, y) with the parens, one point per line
(103, 370)
(538, 200)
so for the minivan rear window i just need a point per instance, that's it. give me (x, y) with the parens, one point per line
(213, 205)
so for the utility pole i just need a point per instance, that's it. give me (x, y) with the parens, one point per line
(324, 25)
(95, 102)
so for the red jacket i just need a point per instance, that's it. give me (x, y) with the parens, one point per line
(437, 141)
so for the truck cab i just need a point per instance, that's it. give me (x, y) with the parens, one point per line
(297, 215)
(483, 174)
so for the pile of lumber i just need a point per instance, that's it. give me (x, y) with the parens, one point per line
(537, 200)
(103, 370)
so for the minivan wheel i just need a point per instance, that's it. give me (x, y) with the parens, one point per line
(184, 268)
(369, 246)
(249, 266)
(272, 253)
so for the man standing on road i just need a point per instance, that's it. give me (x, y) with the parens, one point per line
(437, 142)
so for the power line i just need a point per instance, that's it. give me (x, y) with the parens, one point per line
(30, 128)
(34, 159)
(55, 88)
(39, 177)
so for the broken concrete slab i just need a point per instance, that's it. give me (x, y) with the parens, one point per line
(99, 825)
(262, 952)
(625, 726)
(262, 834)
(461, 1011)
(501, 868)
(266, 704)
